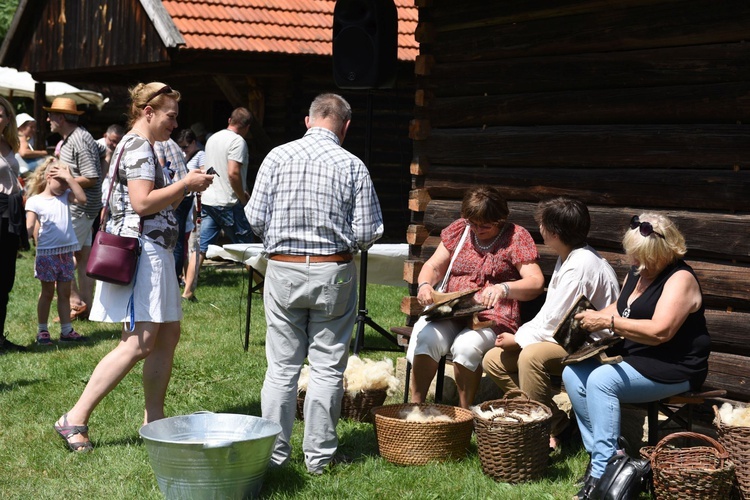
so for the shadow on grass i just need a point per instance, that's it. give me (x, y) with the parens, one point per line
(19, 383)
(220, 278)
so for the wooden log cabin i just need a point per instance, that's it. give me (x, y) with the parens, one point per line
(272, 57)
(629, 106)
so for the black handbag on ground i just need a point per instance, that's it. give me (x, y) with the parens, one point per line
(624, 478)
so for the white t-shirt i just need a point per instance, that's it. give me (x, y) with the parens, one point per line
(583, 272)
(56, 233)
(221, 147)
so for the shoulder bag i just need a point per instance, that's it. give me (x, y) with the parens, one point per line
(113, 258)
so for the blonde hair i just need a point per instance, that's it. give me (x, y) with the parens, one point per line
(652, 252)
(38, 182)
(152, 94)
(10, 134)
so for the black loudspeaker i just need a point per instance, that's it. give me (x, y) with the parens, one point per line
(365, 44)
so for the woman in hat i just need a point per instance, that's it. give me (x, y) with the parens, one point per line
(28, 157)
(141, 206)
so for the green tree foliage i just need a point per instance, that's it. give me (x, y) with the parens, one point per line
(7, 11)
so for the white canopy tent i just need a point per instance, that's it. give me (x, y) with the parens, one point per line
(14, 83)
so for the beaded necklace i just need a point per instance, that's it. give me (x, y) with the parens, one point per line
(485, 248)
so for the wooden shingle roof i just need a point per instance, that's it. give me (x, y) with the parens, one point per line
(282, 26)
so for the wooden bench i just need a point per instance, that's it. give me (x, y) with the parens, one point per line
(678, 409)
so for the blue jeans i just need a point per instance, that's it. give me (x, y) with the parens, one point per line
(231, 219)
(596, 392)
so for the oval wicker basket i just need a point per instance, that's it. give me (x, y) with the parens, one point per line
(417, 443)
(691, 472)
(736, 439)
(353, 408)
(513, 451)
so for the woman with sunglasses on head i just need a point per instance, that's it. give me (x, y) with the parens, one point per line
(141, 205)
(660, 314)
(480, 250)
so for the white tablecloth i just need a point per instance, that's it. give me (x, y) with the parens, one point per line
(385, 262)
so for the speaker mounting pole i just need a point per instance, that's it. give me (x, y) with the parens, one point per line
(363, 317)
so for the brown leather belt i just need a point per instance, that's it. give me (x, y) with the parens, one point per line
(337, 257)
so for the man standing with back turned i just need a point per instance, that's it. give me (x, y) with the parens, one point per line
(313, 205)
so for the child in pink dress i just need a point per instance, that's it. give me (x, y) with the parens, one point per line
(48, 220)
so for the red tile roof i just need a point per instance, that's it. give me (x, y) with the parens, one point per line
(286, 26)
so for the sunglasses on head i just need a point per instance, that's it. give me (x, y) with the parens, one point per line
(646, 228)
(164, 90)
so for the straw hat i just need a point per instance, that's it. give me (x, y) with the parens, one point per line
(64, 105)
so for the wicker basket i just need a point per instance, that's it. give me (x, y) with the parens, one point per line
(693, 472)
(354, 408)
(736, 439)
(358, 407)
(513, 451)
(417, 443)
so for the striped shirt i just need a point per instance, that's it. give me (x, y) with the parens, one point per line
(312, 197)
(81, 153)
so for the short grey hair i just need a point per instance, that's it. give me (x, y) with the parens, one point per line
(327, 105)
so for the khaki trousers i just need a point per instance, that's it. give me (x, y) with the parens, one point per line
(529, 369)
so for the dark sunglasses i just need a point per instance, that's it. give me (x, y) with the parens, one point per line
(646, 228)
(164, 90)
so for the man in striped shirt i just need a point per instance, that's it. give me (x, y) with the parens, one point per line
(314, 206)
(81, 153)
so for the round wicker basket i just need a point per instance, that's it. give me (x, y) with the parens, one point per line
(691, 472)
(416, 443)
(513, 451)
(736, 439)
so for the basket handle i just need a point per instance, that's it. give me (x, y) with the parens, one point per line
(723, 454)
(494, 418)
(516, 391)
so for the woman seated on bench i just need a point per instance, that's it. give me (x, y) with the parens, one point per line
(499, 258)
(660, 314)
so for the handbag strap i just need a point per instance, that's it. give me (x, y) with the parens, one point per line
(105, 214)
(460, 245)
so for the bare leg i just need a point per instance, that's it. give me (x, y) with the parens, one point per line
(45, 300)
(422, 373)
(133, 347)
(191, 274)
(467, 382)
(63, 299)
(157, 370)
(85, 284)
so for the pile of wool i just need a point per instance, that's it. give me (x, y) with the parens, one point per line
(426, 414)
(364, 374)
(739, 417)
(512, 416)
(361, 375)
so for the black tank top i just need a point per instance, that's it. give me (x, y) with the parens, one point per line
(684, 356)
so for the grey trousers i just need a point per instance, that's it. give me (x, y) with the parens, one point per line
(310, 312)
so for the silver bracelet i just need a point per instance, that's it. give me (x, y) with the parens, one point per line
(506, 287)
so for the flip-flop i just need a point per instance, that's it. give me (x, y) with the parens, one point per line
(67, 431)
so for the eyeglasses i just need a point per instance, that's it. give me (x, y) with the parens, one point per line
(481, 227)
(646, 228)
(164, 90)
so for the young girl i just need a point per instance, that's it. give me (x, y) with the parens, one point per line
(48, 220)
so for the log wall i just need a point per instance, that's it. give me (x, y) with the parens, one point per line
(629, 106)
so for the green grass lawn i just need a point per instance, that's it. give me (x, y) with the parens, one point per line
(212, 372)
